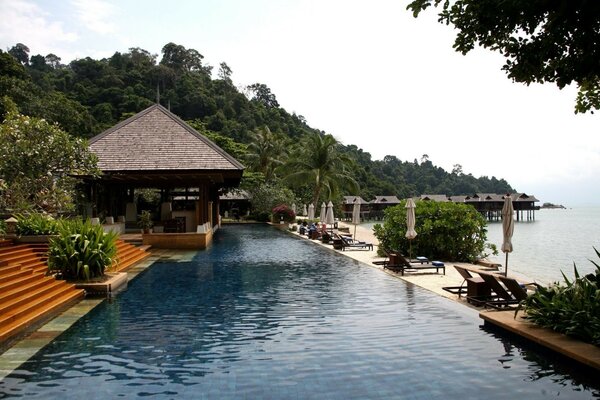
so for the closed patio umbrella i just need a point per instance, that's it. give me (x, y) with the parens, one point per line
(304, 212)
(508, 226)
(294, 208)
(311, 211)
(356, 214)
(329, 219)
(410, 224)
(323, 213)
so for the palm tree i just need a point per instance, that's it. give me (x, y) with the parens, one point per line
(319, 163)
(265, 152)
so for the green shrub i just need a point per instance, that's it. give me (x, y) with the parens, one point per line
(2, 227)
(445, 231)
(572, 308)
(81, 251)
(36, 224)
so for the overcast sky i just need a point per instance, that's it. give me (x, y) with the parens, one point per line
(367, 72)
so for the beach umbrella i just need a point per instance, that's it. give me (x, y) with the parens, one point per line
(304, 212)
(311, 211)
(294, 208)
(356, 214)
(508, 226)
(323, 213)
(410, 224)
(329, 219)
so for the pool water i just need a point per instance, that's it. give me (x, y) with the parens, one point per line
(264, 315)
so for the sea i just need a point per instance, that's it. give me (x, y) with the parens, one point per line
(551, 244)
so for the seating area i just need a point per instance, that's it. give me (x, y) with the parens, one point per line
(487, 289)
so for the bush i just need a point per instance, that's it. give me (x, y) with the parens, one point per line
(81, 251)
(446, 231)
(36, 224)
(2, 227)
(283, 212)
(572, 308)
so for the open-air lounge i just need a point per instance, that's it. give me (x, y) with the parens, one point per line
(155, 150)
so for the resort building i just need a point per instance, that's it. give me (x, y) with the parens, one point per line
(180, 168)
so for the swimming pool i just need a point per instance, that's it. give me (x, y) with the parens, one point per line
(262, 315)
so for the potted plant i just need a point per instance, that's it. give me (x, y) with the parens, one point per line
(145, 221)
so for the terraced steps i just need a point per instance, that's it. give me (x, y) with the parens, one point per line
(28, 297)
(128, 255)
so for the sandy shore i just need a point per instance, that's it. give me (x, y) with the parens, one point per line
(427, 279)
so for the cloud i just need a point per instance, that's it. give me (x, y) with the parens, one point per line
(25, 22)
(96, 15)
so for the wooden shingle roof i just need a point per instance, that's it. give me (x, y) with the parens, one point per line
(385, 200)
(157, 140)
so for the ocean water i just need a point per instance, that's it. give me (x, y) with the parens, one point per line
(550, 244)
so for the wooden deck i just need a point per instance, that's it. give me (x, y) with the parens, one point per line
(577, 350)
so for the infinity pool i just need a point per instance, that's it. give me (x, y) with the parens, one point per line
(264, 315)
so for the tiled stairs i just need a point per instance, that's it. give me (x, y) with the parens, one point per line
(128, 255)
(28, 297)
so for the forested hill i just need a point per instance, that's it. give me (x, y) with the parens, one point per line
(87, 96)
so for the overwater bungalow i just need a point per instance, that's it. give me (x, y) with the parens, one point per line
(490, 204)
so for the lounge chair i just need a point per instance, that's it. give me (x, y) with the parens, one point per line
(353, 244)
(399, 263)
(500, 296)
(471, 281)
(516, 288)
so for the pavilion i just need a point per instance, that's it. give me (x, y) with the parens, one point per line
(155, 149)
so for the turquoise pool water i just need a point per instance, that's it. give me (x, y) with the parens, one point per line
(263, 315)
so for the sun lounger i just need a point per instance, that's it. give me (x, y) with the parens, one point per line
(353, 244)
(471, 281)
(516, 289)
(500, 296)
(399, 263)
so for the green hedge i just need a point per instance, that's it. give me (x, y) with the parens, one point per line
(445, 231)
(36, 224)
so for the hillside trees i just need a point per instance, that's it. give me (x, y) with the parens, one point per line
(87, 96)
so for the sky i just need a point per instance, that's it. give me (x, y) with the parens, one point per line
(366, 72)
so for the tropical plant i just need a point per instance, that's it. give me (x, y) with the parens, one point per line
(38, 162)
(283, 213)
(267, 196)
(81, 251)
(447, 231)
(265, 152)
(572, 308)
(145, 220)
(320, 163)
(36, 224)
(2, 227)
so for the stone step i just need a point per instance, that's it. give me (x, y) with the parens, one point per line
(24, 288)
(44, 310)
(10, 305)
(36, 304)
